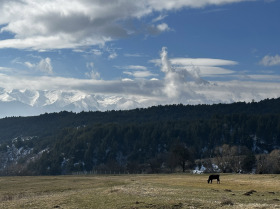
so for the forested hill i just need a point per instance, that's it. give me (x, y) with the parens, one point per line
(238, 136)
(49, 123)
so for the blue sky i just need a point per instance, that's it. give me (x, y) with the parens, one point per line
(180, 51)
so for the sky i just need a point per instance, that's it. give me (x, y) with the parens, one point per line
(152, 52)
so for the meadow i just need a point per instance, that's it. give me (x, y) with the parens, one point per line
(166, 191)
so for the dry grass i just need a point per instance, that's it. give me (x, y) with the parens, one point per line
(140, 191)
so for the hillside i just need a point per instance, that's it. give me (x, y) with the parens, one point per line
(155, 139)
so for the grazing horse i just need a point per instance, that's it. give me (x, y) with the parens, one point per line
(211, 177)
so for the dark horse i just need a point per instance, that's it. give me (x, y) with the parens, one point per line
(211, 177)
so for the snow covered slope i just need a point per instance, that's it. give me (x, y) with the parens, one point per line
(33, 102)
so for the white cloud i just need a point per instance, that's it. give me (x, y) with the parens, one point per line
(163, 27)
(140, 74)
(154, 79)
(44, 65)
(97, 52)
(270, 60)
(157, 29)
(181, 84)
(111, 51)
(112, 55)
(172, 89)
(176, 80)
(55, 24)
(137, 71)
(134, 67)
(178, 4)
(201, 62)
(159, 18)
(93, 74)
(127, 79)
(29, 65)
(205, 66)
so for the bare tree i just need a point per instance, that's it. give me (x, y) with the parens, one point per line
(181, 155)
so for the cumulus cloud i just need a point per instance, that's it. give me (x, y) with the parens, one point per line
(176, 79)
(56, 24)
(163, 27)
(157, 29)
(270, 60)
(173, 80)
(44, 65)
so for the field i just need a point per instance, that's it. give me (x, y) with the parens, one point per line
(140, 191)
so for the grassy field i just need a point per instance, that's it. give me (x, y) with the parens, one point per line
(140, 191)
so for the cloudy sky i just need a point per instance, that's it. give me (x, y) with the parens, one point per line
(156, 52)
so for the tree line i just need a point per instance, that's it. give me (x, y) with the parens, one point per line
(228, 141)
(235, 137)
